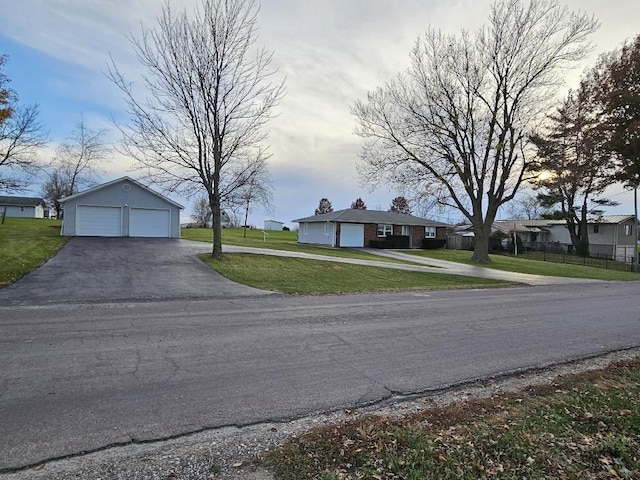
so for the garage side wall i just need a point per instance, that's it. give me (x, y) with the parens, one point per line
(125, 198)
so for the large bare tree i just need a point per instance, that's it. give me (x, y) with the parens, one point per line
(77, 163)
(455, 124)
(210, 91)
(21, 135)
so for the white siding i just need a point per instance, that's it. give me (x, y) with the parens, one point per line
(20, 211)
(317, 233)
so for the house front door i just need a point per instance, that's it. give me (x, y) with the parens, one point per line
(406, 230)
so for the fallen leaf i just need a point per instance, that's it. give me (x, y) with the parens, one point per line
(237, 465)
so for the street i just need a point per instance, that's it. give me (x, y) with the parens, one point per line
(77, 378)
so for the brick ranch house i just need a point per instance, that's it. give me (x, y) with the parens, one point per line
(366, 228)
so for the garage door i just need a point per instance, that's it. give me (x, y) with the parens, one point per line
(351, 235)
(146, 222)
(98, 221)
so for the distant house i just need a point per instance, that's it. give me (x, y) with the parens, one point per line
(610, 236)
(273, 225)
(359, 228)
(27, 207)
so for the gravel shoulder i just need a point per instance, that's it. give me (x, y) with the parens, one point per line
(232, 453)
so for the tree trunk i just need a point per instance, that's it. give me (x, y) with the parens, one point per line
(246, 217)
(217, 221)
(583, 233)
(481, 247)
(635, 227)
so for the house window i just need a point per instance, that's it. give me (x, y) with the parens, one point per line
(305, 228)
(596, 228)
(384, 230)
(628, 230)
(326, 228)
(22, 209)
(429, 232)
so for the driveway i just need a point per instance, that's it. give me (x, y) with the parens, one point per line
(91, 269)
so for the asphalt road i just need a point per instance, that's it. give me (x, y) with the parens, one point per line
(76, 378)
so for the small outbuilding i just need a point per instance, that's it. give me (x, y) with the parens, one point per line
(121, 208)
(273, 225)
(26, 207)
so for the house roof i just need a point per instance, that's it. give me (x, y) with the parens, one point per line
(22, 201)
(527, 225)
(115, 182)
(354, 215)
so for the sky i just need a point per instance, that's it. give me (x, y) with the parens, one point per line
(331, 52)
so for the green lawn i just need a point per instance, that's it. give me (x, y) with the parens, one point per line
(309, 277)
(25, 244)
(579, 427)
(276, 240)
(523, 265)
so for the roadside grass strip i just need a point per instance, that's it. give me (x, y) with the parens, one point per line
(523, 265)
(25, 244)
(584, 426)
(313, 277)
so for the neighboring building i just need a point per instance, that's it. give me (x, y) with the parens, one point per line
(273, 225)
(610, 236)
(358, 228)
(26, 207)
(121, 208)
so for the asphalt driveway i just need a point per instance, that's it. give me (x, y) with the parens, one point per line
(91, 269)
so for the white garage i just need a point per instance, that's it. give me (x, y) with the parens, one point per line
(121, 208)
(351, 235)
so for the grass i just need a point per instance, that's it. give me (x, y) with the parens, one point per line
(583, 426)
(25, 244)
(523, 265)
(312, 277)
(277, 240)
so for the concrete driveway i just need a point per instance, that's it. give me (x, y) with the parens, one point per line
(90, 269)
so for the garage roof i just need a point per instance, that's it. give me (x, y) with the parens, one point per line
(119, 180)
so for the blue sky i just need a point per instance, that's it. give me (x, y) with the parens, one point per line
(331, 52)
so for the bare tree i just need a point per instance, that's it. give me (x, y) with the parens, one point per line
(456, 124)
(21, 135)
(525, 207)
(77, 163)
(201, 213)
(209, 96)
(256, 190)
